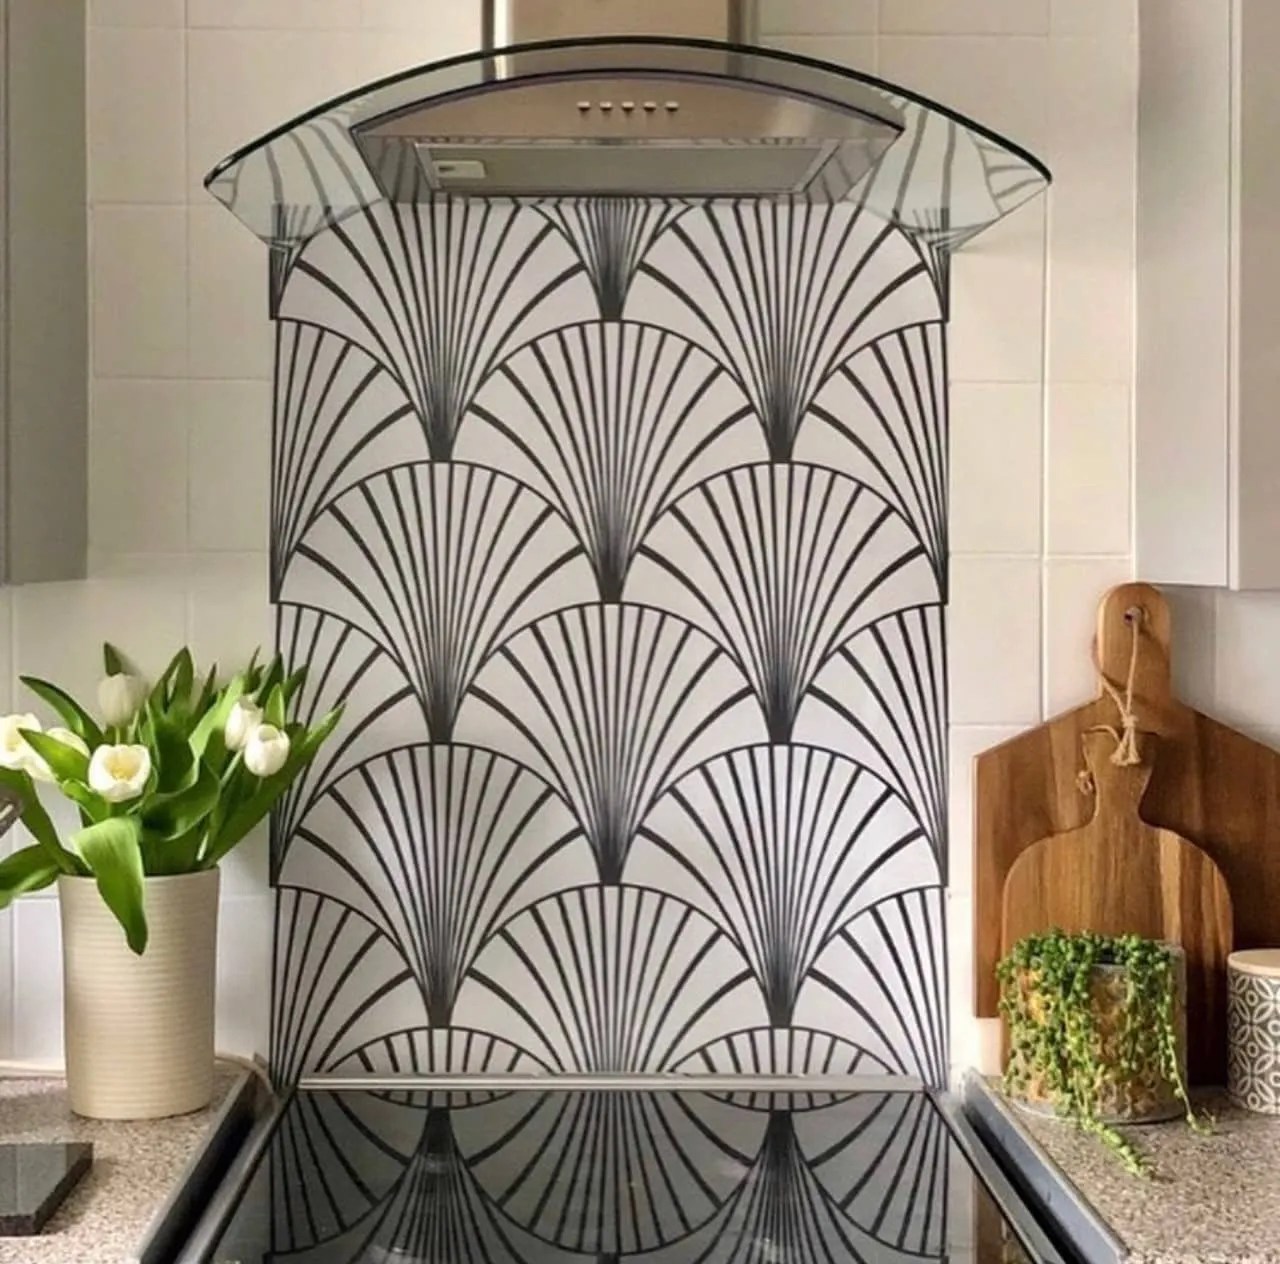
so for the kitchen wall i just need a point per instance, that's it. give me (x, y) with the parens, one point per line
(1041, 503)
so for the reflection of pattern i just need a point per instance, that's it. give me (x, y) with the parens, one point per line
(618, 529)
(572, 1178)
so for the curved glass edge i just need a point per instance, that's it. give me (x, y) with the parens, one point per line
(944, 180)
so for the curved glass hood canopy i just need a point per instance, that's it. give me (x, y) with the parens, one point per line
(633, 117)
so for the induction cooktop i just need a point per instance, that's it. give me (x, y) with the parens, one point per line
(611, 1176)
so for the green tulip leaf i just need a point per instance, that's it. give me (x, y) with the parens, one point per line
(72, 714)
(27, 870)
(292, 684)
(37, 821)
(172, 756)
(254, 806)
(91, 805)
(273, 707)
(208, 692)
(65, 762)
(214, 719)
(112, 850)
(169, 816)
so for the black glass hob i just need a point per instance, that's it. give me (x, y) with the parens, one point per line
(528, 1176)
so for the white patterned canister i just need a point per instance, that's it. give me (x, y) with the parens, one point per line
(1253, 1029)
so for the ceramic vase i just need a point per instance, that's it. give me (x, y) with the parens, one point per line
(138, 1030)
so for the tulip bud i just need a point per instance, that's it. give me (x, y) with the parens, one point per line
(244, 718)
(68, 738)
(266, 750)
(119, 698)
(36, 764)
(119, 773)
(14, 751)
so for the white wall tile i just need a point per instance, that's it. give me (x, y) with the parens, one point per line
(244, 974)
(242, 82)
(997, 302)
(1073, 589)
(403, 15)
(137, 13)
(139, 281)
(6, 982)
(994, 633)
(138, 465)
(1093, 17)
(37, 981)
(1247, 633)
(975, 17)
(137, 131)
(858, 52)
(246, 870)
(300, 15)
(975, 1042)
(1091, 146)
(1090, 439)
(818, 17)
(229, 326)
(228, 607)
(6, 648)
(59, 628)
(1000, 81)
(1194, 615)
(996, 476)
(230, 454)
(380, 52)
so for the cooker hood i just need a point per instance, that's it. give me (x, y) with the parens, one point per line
(628, 98)
(600, 120)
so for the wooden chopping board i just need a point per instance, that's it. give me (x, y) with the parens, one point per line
(1118, 875)
(1210, 784)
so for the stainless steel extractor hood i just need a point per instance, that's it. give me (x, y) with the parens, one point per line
(664, 99)
(652, 121)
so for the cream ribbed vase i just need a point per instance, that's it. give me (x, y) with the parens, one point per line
(139, 1030)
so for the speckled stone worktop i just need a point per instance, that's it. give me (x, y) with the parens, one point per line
(1213, 1200)
(135, 1167)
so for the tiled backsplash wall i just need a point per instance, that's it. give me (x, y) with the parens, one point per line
(180, 396)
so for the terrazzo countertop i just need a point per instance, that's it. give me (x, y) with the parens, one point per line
(135, 1168)
(1213, 1199)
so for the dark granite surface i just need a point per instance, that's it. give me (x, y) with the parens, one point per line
(34, 1179)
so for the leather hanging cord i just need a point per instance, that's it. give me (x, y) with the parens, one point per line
(1126, 753)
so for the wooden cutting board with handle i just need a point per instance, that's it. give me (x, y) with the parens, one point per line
(1118, 875)
(1209, 783)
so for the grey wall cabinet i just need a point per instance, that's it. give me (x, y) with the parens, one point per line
(43, 291)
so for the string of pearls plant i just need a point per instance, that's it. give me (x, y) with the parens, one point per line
(1059, 1048)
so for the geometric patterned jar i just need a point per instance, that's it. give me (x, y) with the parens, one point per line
(1253, 1029)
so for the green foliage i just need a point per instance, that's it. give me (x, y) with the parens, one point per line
(197, 801)
(1046, 997)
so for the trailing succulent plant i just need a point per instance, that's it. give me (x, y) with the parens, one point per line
(1060, 1050)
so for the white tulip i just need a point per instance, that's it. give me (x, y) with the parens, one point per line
(119, 698)
(244, 718)
(14, 751)
(36, 764)
(68, 738)
(266, 750)
(119, 773)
